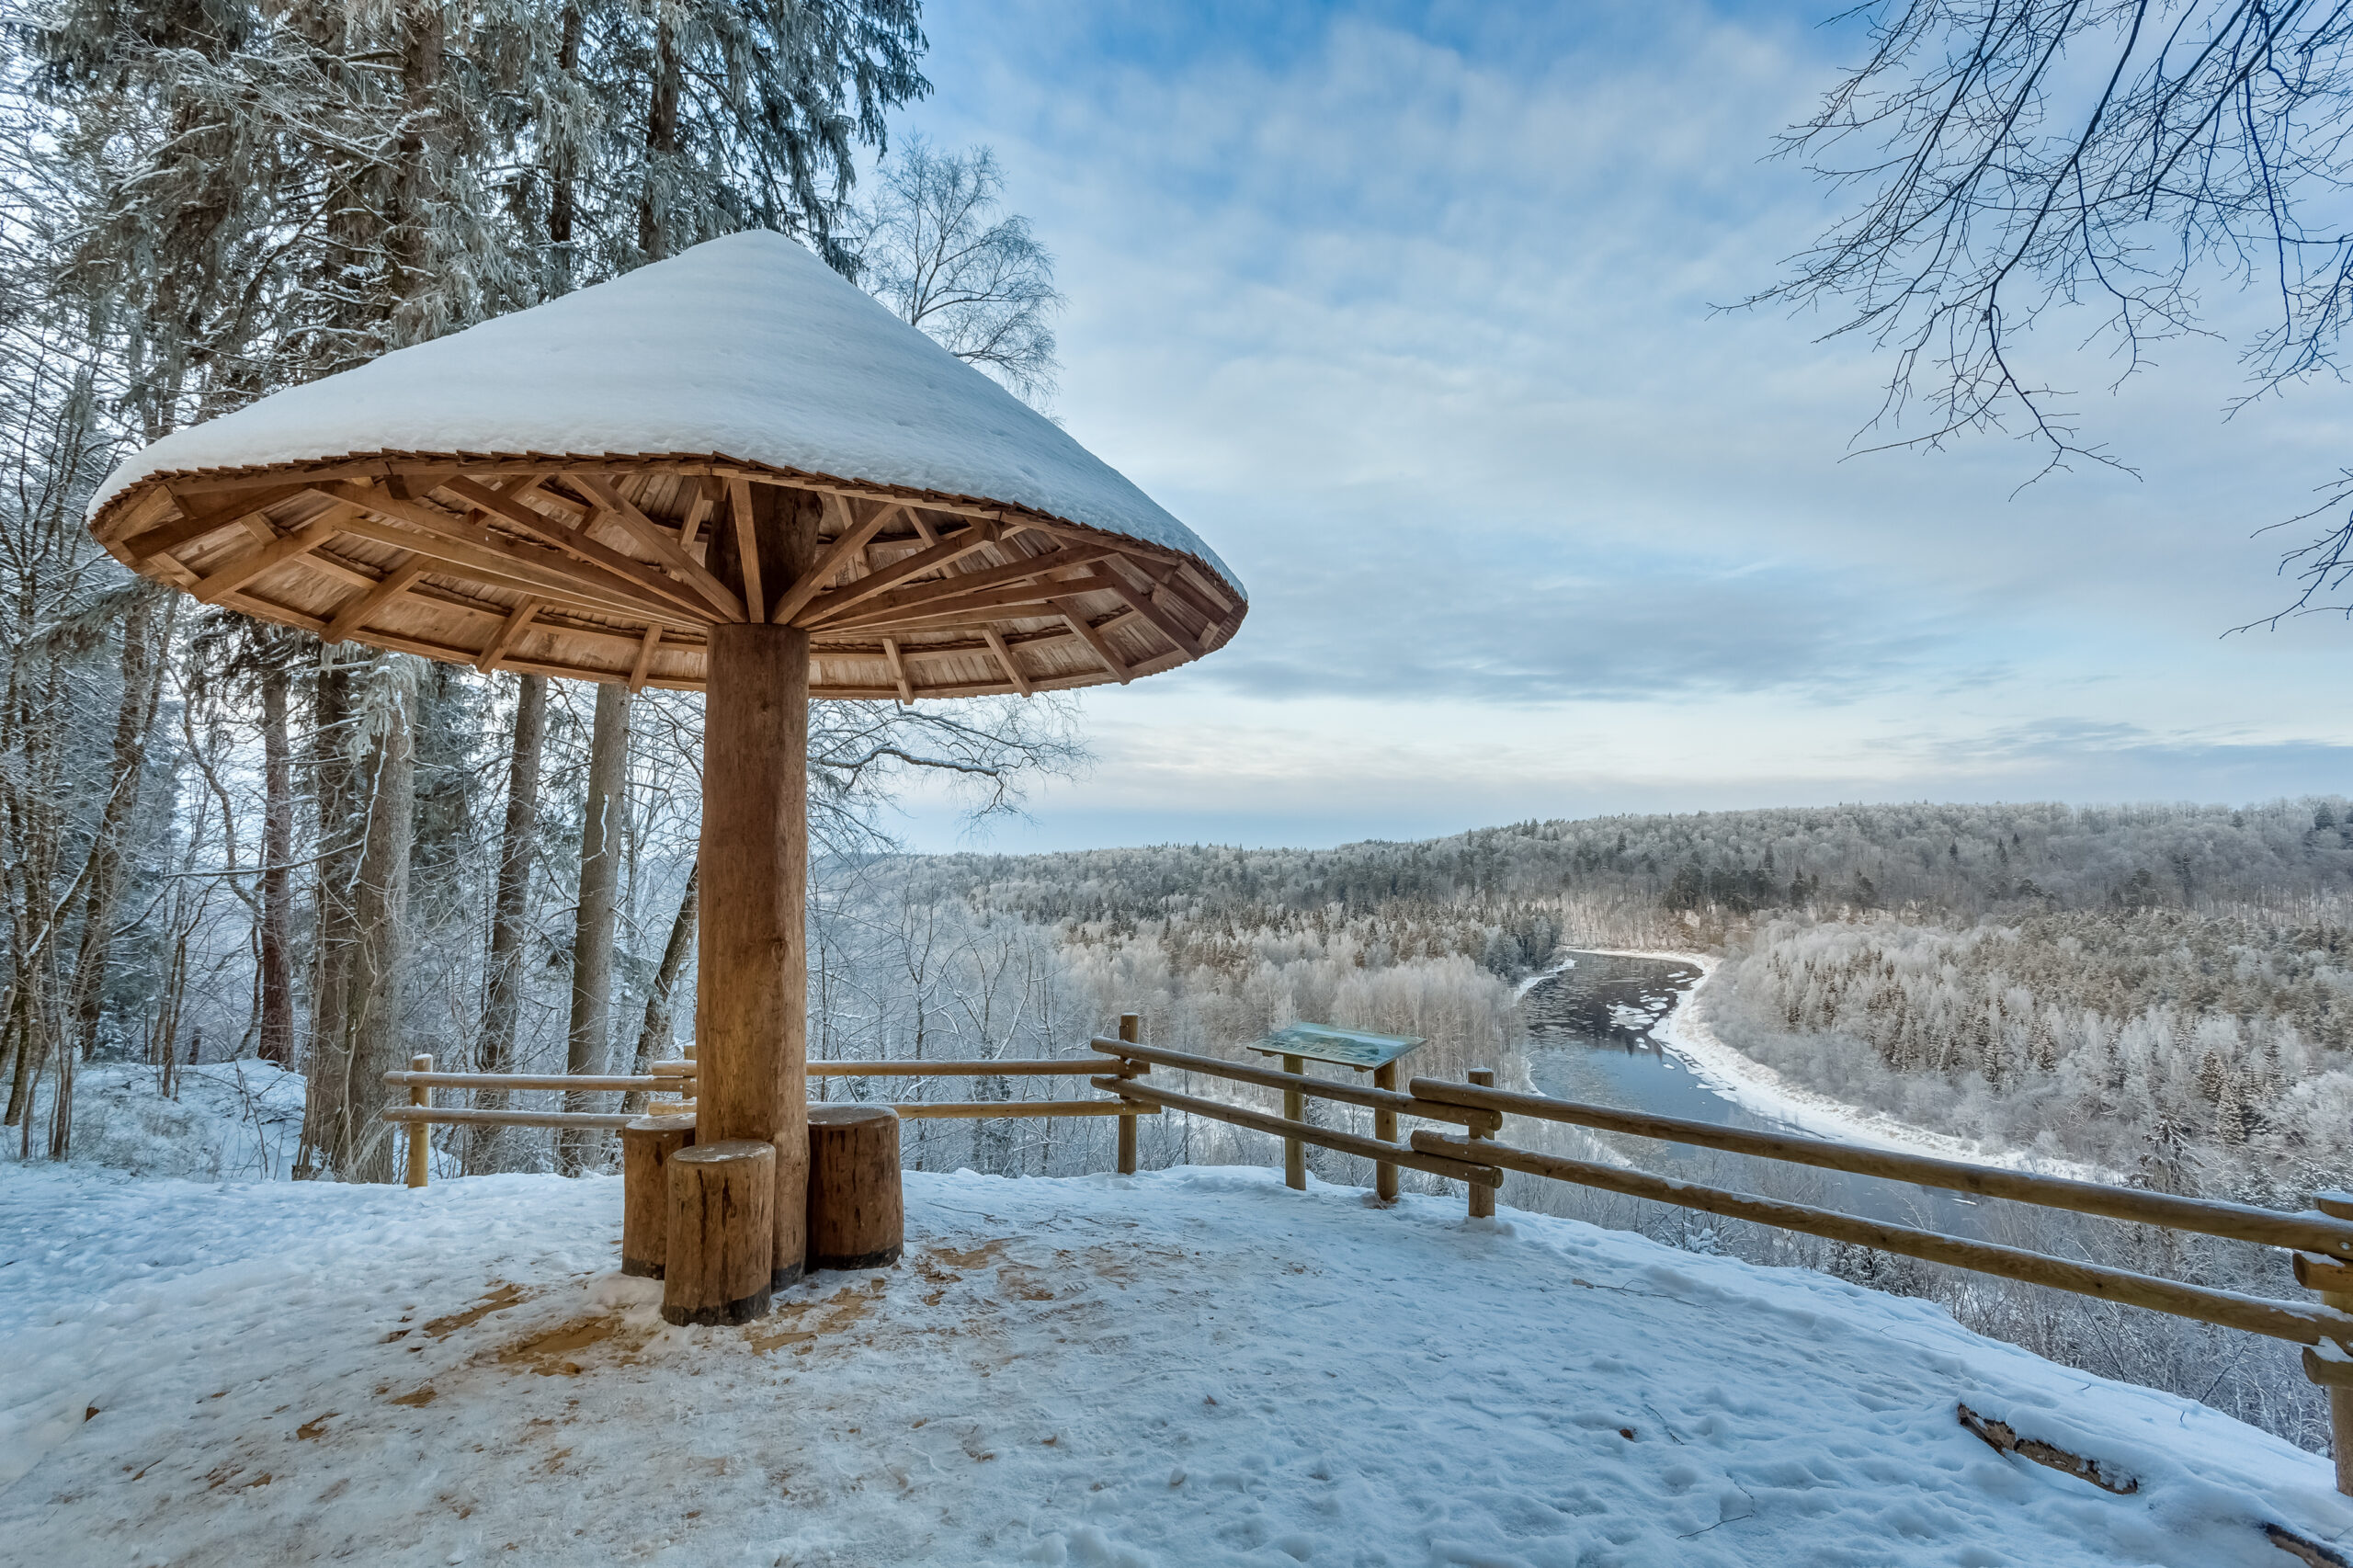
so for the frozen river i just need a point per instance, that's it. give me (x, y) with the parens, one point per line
(1591, 1037)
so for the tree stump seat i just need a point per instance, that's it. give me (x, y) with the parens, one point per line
(647, 1146)
(857, 1215)
(720, 1236)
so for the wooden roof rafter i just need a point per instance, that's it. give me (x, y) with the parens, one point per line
(438, 554)
(354, 615)
(853, 538)
(576, 543)
(905, 569)
(664, 548)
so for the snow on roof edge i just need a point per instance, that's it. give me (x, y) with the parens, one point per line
(743, 344)
(1202, 557)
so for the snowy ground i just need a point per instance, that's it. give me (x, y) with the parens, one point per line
(1192, 1367)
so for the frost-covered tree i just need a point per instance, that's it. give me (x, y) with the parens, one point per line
(934, 242)
(2108, 165)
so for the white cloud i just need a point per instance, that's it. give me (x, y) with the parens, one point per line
(1412, 319)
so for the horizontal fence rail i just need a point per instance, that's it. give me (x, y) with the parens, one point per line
(677, 1079)
(2305, 1323)
(1459, 1167)
(1425, 1107)
(1026, 1067)
(2309, 1232)
(920, 1110)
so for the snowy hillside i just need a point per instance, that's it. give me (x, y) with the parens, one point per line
(227, 1119)
(1192, 1367)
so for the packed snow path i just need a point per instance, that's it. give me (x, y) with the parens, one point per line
(1194, 1367)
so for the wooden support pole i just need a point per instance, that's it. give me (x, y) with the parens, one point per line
(1294, 1109)
(420, 1133)
(1131, 1031)
(751, 1021)
(2337, 1206)
(751, 1000)
(1384, 1127)
(719, 1233)
(1483, 1199)
(856, 1216)
(648, 1145)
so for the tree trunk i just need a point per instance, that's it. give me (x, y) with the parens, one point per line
(333, 786)
(592, 941)
(661, 134)
(503, 1004)
(143, 671)
(379, 1040)
(276, 979)
(36, 853)
(562, 162)
(444, 729)
(349, 1065)
(654, 1034)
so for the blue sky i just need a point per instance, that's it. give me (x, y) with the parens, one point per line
(1412, 313)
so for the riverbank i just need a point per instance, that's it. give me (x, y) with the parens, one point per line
(1725, 1070)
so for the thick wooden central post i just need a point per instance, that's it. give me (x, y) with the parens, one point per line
(752, 989)
(751, 995)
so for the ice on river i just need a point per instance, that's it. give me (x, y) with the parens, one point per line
(1190, 1367)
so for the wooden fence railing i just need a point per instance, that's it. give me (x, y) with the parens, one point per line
(676, 1080)
(2320, 1242)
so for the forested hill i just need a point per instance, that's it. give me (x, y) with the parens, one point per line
(1956, 861)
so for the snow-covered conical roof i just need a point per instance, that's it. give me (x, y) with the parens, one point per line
(568, 489)
(746, 347)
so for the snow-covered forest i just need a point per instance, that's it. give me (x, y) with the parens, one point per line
(2157, 990)
(226, 842)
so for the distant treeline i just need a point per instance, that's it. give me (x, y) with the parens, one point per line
(1953, 861)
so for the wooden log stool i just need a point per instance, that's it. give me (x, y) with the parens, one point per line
(720, 1232)
(856, 1218)
(647, 1145)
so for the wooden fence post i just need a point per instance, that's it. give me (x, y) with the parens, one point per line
(1294, 1109)
(1384, 1127)
(2337, 1290)
(420, 1134)
(1483, 1199)
(1131, 1033)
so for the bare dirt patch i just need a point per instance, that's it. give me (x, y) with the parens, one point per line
(793, 1323)
(559, 1351)
(500, 1297)
(980, 1257)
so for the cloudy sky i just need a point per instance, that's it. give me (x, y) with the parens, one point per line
(1412, 313)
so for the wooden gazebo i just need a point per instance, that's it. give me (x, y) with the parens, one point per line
(732, 472)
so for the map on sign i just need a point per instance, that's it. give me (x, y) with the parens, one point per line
(1351, 1048)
